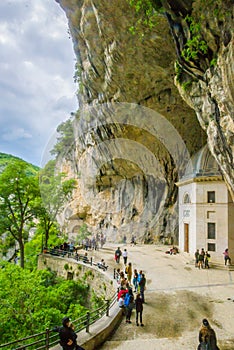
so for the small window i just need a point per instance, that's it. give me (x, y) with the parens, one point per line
(187, 198)
(210, 215)
(211, 247)
(211, 230)
(211, 196)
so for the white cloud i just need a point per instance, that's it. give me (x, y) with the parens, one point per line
(15, 134)
(36, 75)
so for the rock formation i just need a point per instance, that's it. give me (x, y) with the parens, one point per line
(134, 133)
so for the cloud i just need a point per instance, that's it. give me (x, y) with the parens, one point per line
(36, 75)
(15, 134)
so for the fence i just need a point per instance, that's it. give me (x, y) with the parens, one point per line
(76, 256)
(45, 340)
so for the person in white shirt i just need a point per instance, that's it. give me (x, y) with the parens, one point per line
(125, 256)
(121, 301)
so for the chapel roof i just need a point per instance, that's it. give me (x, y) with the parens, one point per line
(202, 164)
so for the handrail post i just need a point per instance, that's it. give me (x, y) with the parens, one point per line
(91, 261)
(114, 273)
(87, 321)
(47, 342)
(107, 307)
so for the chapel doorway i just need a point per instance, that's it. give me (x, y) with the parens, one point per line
(186, 238)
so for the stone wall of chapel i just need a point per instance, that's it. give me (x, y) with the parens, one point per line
(199, 213)
(187, 215)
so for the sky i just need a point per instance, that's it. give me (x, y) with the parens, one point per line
(37, 90)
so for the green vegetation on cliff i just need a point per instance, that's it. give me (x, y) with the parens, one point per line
(196, 39)
(65, 138)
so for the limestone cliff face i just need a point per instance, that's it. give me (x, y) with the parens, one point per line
(134, 132)
(211, 86)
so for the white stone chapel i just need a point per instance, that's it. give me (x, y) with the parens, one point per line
(206, 210)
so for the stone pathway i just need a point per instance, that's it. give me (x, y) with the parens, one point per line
(178, 297)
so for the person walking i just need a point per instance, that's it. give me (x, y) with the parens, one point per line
(139, 309)
(226, 257)
(118, 254)
(207, 337)
(125, 256)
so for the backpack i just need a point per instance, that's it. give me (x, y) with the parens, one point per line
(139, 278)
(127, 299)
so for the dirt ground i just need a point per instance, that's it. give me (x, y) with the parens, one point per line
(178, 296)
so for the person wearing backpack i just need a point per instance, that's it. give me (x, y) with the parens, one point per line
(127, 296)
(129, 305)
(207, 337)
(127, 299)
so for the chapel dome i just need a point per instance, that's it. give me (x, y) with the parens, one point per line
(202, 164)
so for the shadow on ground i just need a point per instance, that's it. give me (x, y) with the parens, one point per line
(168, 316)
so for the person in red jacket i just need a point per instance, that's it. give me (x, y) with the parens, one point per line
(122, 291)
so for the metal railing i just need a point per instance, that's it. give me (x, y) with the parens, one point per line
(45, 340)
(76, 256)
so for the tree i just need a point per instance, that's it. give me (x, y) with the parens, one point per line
(34, 301)
(18, 193)
(55, 191)
(65, 138)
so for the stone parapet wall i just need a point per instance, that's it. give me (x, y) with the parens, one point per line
(103, 285)
(69, 268)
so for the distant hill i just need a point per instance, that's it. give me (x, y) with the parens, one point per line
(5, 159)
